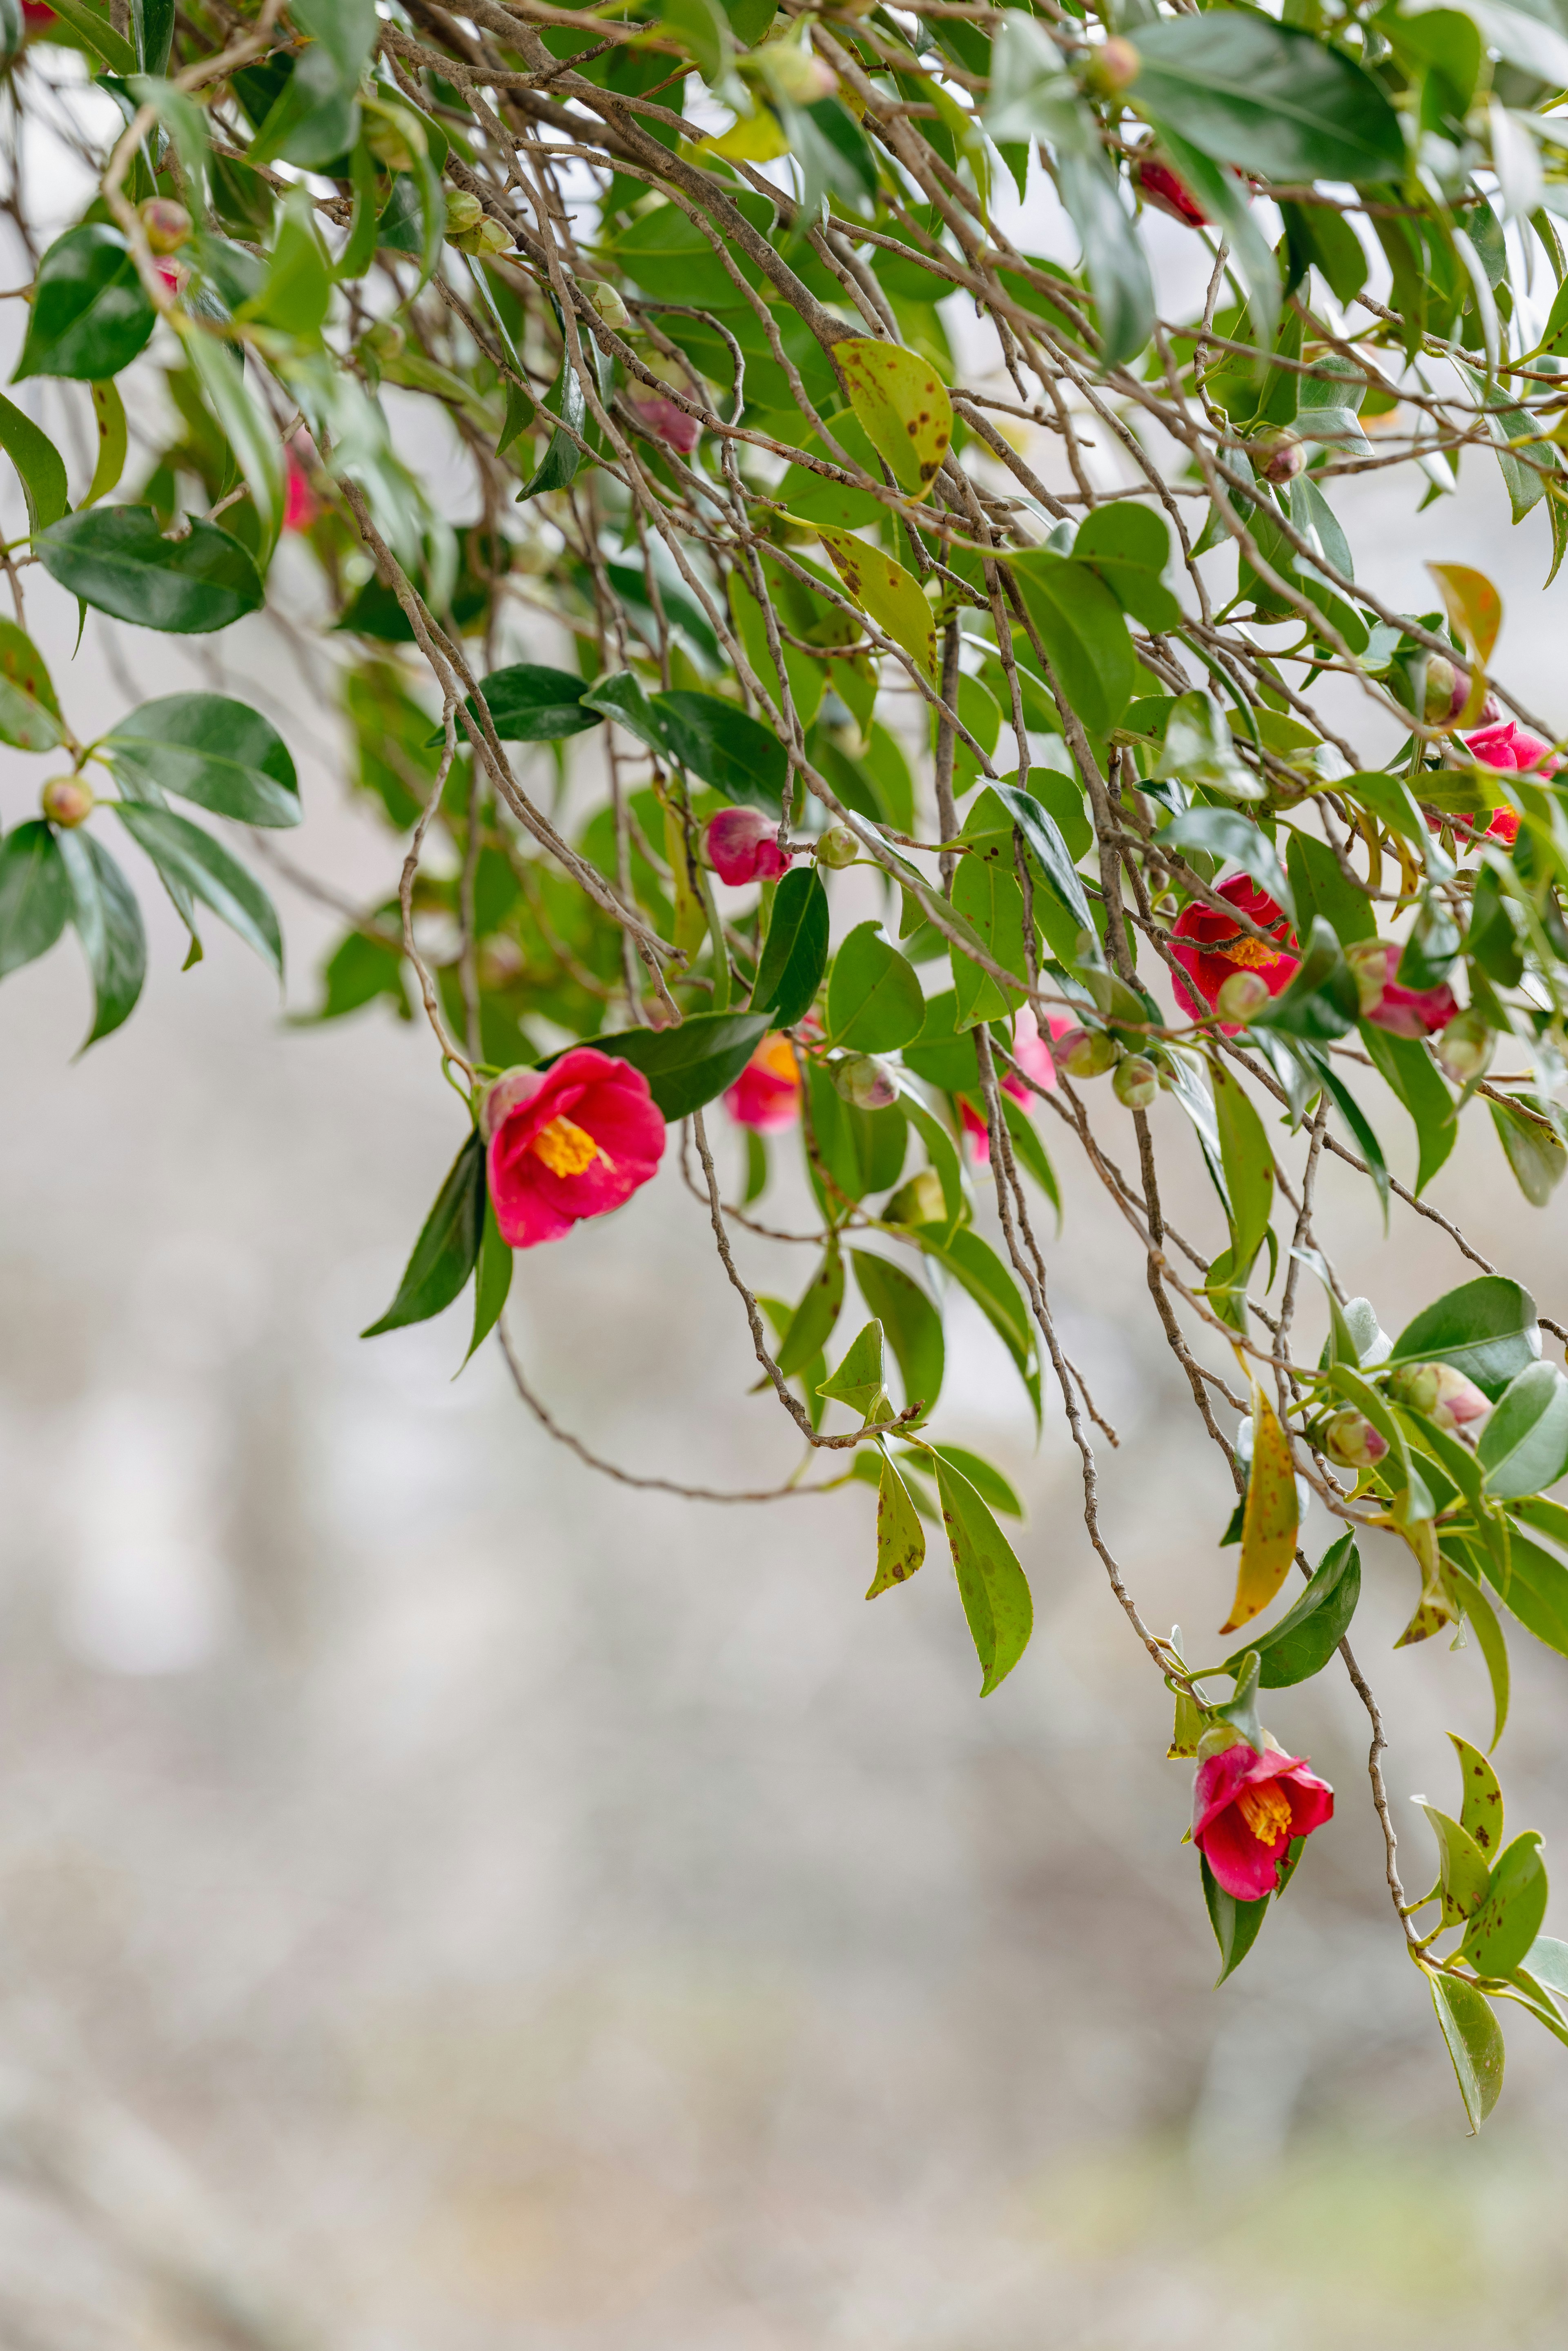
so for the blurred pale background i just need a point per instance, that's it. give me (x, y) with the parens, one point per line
(449, 1901)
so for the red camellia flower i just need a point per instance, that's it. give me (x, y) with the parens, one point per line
(1160, 187)
(742, 846)
(1209, 948)
(1247, 1807)
(1403, 1011)
(767, 1094)
(566, 1142)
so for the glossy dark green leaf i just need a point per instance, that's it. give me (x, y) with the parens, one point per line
(1408, 1070)
(1474, 2040)
(493, 1280)
(1043, 836)
(208, 748)
(875, 998)
(1506, 1924)
(1533, 1146)
(108, 924)
(689, 1065)
(30, 709)
(1486, 1329)
(154, 22)
(913, 1327)
(91, 316)
(812, 1324)
(1129, 547)
(1525, 1446)
(992, 1586)
(35, 895)
(530, 703)
(1237, 1924)
(117, 560)
(622, 696)
(1322, 1002)
(795, 951)
(719, 742)
(1270, 99)
(557, 469)
(447, 1249)
(93, 26)
(1080, 624)
(39, 464)
(1534, 1587)
(191, 860)
(1304, 1641)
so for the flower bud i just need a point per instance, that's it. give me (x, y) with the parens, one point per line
(1159, 186)
(918, 1202)
(1112, 67)
(611, 308)
(673, 425)
(491, 236)
(1240, 996)
(1442, 1394)
(1447, 691)
(1277, 457)
(1351, 1438)
(864, 1081)
(1136, 1082)
(464, 212)
(742, 846)
(167, 224)
(67, 800)
(1369, 960)
(838, 846)
(1465, 1048)
(387, 143)
(386, 338)
(1084, 1052)
(794, 73)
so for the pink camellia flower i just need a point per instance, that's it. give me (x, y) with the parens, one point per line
(1159, 186)
(1403, 1011)
(300, 504)
(1507, 746)
(742, 846)
(675, 427)
(569, 1142)
(1033, 1056)
(1209, 948)
(1246, 1808)
(767, 1094)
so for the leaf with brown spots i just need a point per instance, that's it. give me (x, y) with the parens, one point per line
(887, 592)
(1269, 1521)
(900, 1537)
(904, 405)
(29, 713)
(1480, 1808)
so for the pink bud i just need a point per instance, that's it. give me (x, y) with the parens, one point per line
(1439, 1392)
(673, 425)
(1351, 1439)
(1242, 995)
(67, 800)
(865, 1082)
(742, 846)
(167, 224)
(1083, 1052)
(1277, 456)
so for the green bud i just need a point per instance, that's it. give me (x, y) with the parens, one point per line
(1369, 960)
(67, 800)
(1240, 996)
(865, 1082)
(838, 846)
(1085, 1052)
(1465, 1048)
(919, 1202)
(1136, 1082)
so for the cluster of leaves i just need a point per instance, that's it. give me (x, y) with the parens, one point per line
(675, 279)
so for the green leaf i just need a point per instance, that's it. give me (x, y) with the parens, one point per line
(725, 747)
(1227, 833)
(1237, 1924)
(1113, 258)
(1525, 1446)
(1535, 1150)
(1547, 1961)
(108, 924)
(113, 441)
(809, 497)
(29, 712)
(812, 1324)
(987, 896)
(117, 560)
(38, 462)
(495, 1280)
(1247, 1160)
(688, 1065)
(795, 952)
(1534, 1587)
(1486, 1329)
(1270, 1518)
(557, 470)
(1474, 2038)
(1461, 1866)
(91, 316)
(1129, 547)
(903, 405)
(987, 1482)
(219, 753)
(1480, 1808)
(447, 1249)
(891, 596)
(530, 703)
(875, 998)
(1199, 748)
(1303, 1642)
(622, 696)
(345, 31)
(191, 860)
(154, 23)
(35, 895)
(976, 1266)
(1271, 99)
(1408, 1070)
(95, 29)
(1507, 1922)
(1322, 1002)
(1043, 836)
(858, 1380)
(912, 1325)
(900, 1537)
(991, 1584)
(1222, 196)
(1080, 624)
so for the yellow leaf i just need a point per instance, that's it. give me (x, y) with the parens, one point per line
(885, 590)
(1475, 611)
(1269, 1521)
(757, 138)
(903, 406)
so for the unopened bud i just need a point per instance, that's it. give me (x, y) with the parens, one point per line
(1240, 996)
(491, 236)
(1277, 457)
(794, 72)
(919, 1202)
(1369, 960)
(1351, 1438)
(1447, 691)
(1442, 1394)
(611, 308)
(1084, 1052)
(1136, 1082)
(1113, 67)
(1465, 1048)
(67, 800)
(167, 226)
(388, 144)
(865, 1082)
(464, 212)
(386, 338)
(838, 846)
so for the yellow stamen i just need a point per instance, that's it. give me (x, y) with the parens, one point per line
(1266, 1811)
(1251, 952)
(777, 1056)
(565, 1149)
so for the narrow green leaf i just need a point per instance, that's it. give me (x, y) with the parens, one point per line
(494, 1280)
(1474, 2039)
(1304, 1641)
(38, 462)
(1237, 1924)
(35, 895)
(447, 1249)
(108, 924)
(795, 952)
(816, 1315)
(191, 860)
(991, 1584)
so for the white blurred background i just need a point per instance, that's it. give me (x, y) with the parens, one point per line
(451, 1902)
